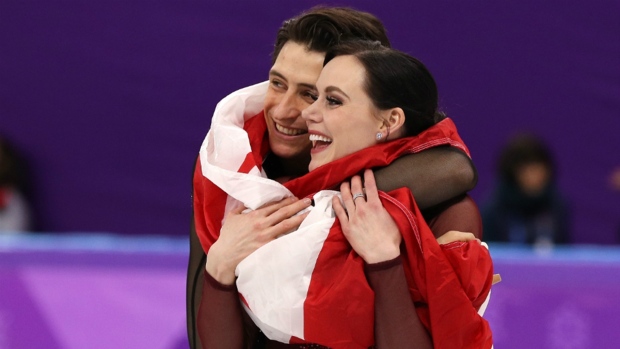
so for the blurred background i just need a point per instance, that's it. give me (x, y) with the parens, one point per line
(105, 104)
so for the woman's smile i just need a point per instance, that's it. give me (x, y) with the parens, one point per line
(319, 142)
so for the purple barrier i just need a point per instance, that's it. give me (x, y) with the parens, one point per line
(109, 292)
(92, 292)
(561, 299)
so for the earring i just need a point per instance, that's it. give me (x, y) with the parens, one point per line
(379, 136)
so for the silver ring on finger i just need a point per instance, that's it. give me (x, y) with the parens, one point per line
(358, 195)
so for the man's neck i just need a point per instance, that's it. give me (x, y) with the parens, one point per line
(284, 170)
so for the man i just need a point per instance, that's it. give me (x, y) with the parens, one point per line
(434, 176)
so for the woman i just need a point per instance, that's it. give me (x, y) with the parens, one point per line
(340, 306)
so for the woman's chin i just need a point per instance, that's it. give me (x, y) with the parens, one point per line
(314, 165)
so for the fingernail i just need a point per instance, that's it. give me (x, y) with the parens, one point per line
(307, 201)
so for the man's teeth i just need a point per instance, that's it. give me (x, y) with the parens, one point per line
(289, 131)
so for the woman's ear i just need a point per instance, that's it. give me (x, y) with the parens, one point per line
(394, 121)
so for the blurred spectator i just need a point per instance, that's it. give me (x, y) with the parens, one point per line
(526, 206)
(614, 183)
(614, 179)
(15, 213)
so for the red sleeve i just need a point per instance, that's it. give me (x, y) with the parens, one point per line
(462, 215)
(198, 195)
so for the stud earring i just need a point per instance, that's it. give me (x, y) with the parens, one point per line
(379, 136)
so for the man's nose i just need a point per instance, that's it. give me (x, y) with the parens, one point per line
(288, 107)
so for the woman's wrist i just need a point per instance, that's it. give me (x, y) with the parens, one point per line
(370, 267)
(382, 254)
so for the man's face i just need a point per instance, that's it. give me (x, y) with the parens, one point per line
(291, 88)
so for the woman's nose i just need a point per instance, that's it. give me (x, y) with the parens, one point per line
(311, 113)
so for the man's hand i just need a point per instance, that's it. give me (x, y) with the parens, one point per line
(454, 235)
(244, 233)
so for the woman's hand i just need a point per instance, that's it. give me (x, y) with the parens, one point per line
(244, 233)
(366, 224)
(454, 235)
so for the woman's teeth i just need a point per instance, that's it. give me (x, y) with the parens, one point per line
(289, 131)
(317, 138)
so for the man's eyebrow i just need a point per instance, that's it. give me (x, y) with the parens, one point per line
(276, 73)
(334, 88)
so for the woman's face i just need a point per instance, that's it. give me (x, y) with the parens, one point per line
(343, 118)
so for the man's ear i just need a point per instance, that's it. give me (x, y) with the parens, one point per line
(394, 121)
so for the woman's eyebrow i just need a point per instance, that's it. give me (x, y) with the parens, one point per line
(334, 88)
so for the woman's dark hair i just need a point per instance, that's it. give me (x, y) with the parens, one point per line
(321, 28)
(395, 79)
(520, 150)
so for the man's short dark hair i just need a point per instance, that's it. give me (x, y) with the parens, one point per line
(321, 28)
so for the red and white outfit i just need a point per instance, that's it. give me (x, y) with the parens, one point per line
(309, 286)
